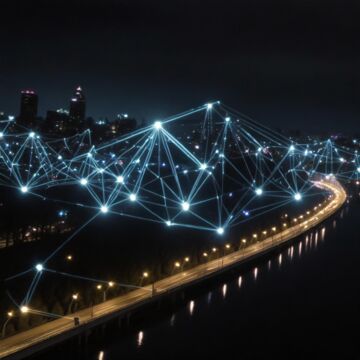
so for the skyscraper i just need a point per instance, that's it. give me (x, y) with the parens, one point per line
(77, 110)
(28, 107)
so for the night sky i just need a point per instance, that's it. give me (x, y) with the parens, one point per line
(291, 64)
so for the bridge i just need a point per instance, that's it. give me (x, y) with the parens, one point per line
(54, 332)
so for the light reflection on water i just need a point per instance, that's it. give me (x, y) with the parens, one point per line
(224, 290)
(140, 338)
(305, 245)
(191, 307)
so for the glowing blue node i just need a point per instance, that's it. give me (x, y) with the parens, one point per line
(39, 267)
(227, 119)
(1, 134)
(132, 197)
(168, 223)
(203, 166)
(185, 206)
(209, 106)
(292, 148)
(120, 179)
(258, 191)
(83, 181)
(220, 230)
(297, 197)
(24, 189)
(358, 169)
(32, 134)
(104, 209)
(157, 125)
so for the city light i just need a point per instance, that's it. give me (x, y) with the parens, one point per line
(209, 106)
(120, 179)
(297, 197)
(203, 166)
(83, 181)
(132, 197)
(258, 191)
(157, 125)
(24, 309)
(32, 134)
(39, 267)
(24, 189)
(104, 209)
(185, 206)
(220, 230)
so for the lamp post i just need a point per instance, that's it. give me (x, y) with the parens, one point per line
(10, 315)
(74, 297)
(144, 275)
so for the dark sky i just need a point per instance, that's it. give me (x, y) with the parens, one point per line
(292, 63)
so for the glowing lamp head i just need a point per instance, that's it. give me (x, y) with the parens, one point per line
(39, 267)
(220, 230)
(24, 189)
(120, 179)
(157, 125)
(297, 196)
(83, 181)
(258, 191)
(104, 209)
(24, 309)
(185, 206)
(132, 197)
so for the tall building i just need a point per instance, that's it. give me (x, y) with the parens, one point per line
(28, 107)
(77, 110)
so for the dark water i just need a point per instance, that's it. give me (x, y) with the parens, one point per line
(299, 302)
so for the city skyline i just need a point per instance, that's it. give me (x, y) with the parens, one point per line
(305, 74)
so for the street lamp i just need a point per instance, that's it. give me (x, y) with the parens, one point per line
(24, 309)
(10, 315)
(74, 297)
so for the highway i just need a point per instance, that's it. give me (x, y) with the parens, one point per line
(14, 346)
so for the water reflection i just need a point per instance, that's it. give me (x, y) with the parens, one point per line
(280, 260)
(291, 252)
(101, 355)
(255, 273)
(240, 282)
(140, 338)
(172, 320)
(191, 307)
(209, 297)
(224, 290)
(269, 265)
(323, 230)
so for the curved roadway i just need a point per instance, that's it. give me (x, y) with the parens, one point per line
(22, 344)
